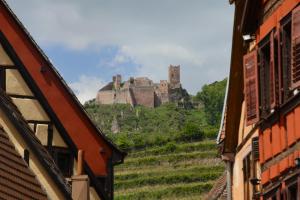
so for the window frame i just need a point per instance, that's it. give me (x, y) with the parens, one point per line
(285, 56)
(264, 76)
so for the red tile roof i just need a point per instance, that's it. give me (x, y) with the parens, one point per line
(219, 189)
(16, 179)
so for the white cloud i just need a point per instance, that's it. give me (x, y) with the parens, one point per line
(195, 34)
(86, 88)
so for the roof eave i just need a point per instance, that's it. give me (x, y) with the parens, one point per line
(234, 95)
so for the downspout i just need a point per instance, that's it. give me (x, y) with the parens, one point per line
(228, 179)
(228, 158)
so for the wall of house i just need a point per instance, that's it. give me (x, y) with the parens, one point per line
(32, 111)
(277, 138)
(277, 141)
(46, 181)
(4, 58)
(245, 144)
(30, 108)
(15, 84)
(65, 108)
(278, 147)
(237, 176)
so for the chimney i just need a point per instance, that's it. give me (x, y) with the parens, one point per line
(80, 182)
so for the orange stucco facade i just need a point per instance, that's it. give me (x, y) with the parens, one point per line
(281, 137)
(261, 148)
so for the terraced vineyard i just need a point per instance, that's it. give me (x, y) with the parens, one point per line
(175, 171)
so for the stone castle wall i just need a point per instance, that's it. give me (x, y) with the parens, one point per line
(174, 76)
(105, 97)
(144, 96)
(112, 97)
(142, 90)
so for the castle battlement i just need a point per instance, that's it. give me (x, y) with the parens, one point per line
(142, 90)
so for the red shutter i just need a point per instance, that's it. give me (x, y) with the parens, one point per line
(251, 87)
(272, 72)
(296, 48)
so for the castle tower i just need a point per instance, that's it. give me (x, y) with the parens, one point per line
(117, 80)
(174, 76)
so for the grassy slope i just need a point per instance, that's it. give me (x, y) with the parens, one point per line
(142, 127)
(187, 172)
(161, 163)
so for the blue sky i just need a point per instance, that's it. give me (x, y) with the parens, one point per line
(91, 40)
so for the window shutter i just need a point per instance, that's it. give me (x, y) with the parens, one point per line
(255, 148)
(280, 69)
(272, 72)
(296, 48)
(263, 77)
(251, 87)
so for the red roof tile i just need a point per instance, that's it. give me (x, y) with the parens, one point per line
(17, 181)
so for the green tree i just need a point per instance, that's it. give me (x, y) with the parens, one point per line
(212, 97)
(191, 131)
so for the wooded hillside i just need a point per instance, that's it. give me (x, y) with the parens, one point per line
(172, 150)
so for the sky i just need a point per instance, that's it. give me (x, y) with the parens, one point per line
(89, 41)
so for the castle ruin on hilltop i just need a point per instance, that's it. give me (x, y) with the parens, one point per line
(143, 91)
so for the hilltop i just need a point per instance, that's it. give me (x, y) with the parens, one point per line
(172, 150)
(143, 91)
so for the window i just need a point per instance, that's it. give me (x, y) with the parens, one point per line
(285, 50)
(264, 77)
(292, 192)
(274, 194)
(250, 172)
(268, 73)
(295, 43)
(292, 188)
(247, 176)
(63, 159)
(277, 67)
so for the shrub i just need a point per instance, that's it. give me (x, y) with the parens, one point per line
(190, 132)
(124, 143)
(211, 132)
(170, 147)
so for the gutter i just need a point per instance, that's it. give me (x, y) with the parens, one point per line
(224, 110)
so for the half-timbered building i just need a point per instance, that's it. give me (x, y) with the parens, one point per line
(51, 110)
(260, 131)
